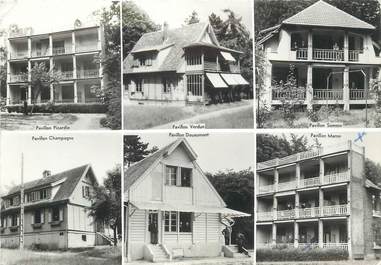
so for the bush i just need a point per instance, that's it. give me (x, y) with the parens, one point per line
(61, 108)
(298, 254)
(44, 247)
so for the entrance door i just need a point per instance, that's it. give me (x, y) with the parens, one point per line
(153, 227)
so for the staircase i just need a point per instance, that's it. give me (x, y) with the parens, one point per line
(231, 251)
(159, 253)
(106, 238)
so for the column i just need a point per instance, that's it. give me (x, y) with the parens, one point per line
(346, 88)
(275, 207)
(50, 45)
(349, 198)
(73, 42)
(274, 234)
(51, 66)
(29, 98)
(349, 229)
(297, 204)
(8, 95)
(321, 233)
(346, 45)
(8, 101)
(265, 97)
(309, 88)
(310, 47)
(99, 38)
(276, 179)
(296, 234)
(75, 91)
(74, 67)
(29, 47)
(321, 170)
(297, 171)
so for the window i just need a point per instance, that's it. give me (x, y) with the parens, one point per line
(85, 191)
(43, 194)
(185, 222)
(37, 195)
(14, 220)
(186, 177)
(170, 221)
(55, 214)
(84, 238)
(166, 86)
(145, 61)
(171, 173)
(3, 222)
(193, 59)
(194, 85)
(139, 85)
(37, 217)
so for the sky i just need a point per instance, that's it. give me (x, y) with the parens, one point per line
(216, 152)
(371, 141)
(47, 15)
(102, 151)
(174, 12)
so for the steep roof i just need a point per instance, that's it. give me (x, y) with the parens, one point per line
(325, 15)
(71, 178)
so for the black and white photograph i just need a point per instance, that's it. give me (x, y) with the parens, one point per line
(192, 66)
(318, 198)
(61, 199)
(60, 65)
(317, 63)
(188, 199)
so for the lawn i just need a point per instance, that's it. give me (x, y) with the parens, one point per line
(71, 121)
(237, 120)
(352, 118)
(346, 262)
(96, 256)
(148, 116)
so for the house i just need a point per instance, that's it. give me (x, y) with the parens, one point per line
(56, 212)
(319, 199)
(172, 210)
(334, 56)
(183, 65)
(73, 53)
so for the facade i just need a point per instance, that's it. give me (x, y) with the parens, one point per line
(55, 212)
(319, 198)
(333, 53)
(75, 54)
(183, 65)
(168, 189)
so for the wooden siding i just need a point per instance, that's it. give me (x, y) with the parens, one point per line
(213, 227)
(79, 219)
(137, 226)
(199, 228)
(77, 197)
(204, 193)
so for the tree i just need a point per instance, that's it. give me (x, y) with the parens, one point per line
(192, 19)
(237, 190)
(373, 171)
(217, 24)
(135, 150)
(107, 206)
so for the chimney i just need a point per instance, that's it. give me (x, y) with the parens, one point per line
(46, 173)
(165, 31)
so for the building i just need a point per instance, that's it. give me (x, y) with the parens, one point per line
(168, 190)
(56, 212)
(183, 65)
(319, 198)
(74, 53)
(334, 56)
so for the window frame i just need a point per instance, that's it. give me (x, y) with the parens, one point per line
(171, 177)
(57, 208)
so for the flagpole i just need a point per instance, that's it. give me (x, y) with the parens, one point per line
(22, 204)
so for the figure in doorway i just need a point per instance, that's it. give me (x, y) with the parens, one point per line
(152, 228)
(227, 233)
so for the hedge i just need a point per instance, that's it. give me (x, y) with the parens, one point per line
(298, 254)
(61, 108)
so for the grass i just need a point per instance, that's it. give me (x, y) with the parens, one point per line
(19, 121)
(352, 118)
(148, 116)
(96, 256)
(236, 120)
(346, 262)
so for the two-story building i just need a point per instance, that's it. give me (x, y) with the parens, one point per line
(334, 56)
(318, 199)
(172, 210)
(183, 65)
(75, 54)
(56, 212)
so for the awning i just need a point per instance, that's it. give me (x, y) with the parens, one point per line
(234, 79)
(216, 80)
(187, 208)
(371, 185)
(227, 56)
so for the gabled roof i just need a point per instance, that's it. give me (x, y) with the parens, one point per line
(70, 179)
(323, 14)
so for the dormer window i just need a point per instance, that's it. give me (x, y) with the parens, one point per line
(178, 176)
(145, 61)
(86, 192)
(171, 175)
(186, 176)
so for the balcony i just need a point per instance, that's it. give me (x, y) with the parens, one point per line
(289, 185)
(343, 246)
(18, 78)
(265, 216)
(62, 50)
(19, 54)
(359, 94)
(211, 66)
(40, 53)
(328, 55)
(278, 94)
(328, 94)
(286, 214)
(337, 177)
(86, 48)
(335, 210)
(88, 73)
(67, 75)
(309, 212)
(302, 54)
(336, 245)
(266, 189)
(354, 55)
(309, 182)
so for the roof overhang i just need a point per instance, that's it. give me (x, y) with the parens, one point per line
(216, 80)
(187, 208)
(156, 48)
(234, 79)
(370, 185)
(210, 45)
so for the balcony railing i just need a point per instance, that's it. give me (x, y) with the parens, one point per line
(302, 54)
(19, 55)
(39, 53)
(328, 55)
(88, 73)
(308, 245)
(358, 94)
(336, 245)
(289, 185)
(353, 55)
(286, 214)
(19, 78)
(211, 66)
(309, 182)
(66, 75)
(328, 94)
(336, 177)
(85, 48)
(265, 216)
(343, 246)
(309, 212)
(61, 50)
(266, 188)
(335, 210)
(278, 94)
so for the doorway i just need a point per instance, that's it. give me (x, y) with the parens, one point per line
(153, 227)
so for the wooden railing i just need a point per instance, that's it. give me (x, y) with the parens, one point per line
(302, 54)
(18, 78)
(308, 245)
(19, 54)
(328, 94)
(336, 245)
(286, 214)
(212, 66)
(266, 189)
(289, 185)
(358, 94)
(62, 50)
(265, 216)
(280, 94)
(353, 55)
(309, 182)
(38, 53)
(88, 73)
(309, 212)
(328, 55)
(336, 177)
(335, 210)
(67, 74)
(85, 48)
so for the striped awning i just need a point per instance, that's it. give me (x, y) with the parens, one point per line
(216, 80)
(234, 79)
(187, 208)
(227, 56)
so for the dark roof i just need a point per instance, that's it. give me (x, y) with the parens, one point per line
(325, 15)
(71, 177)
(134, 172)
